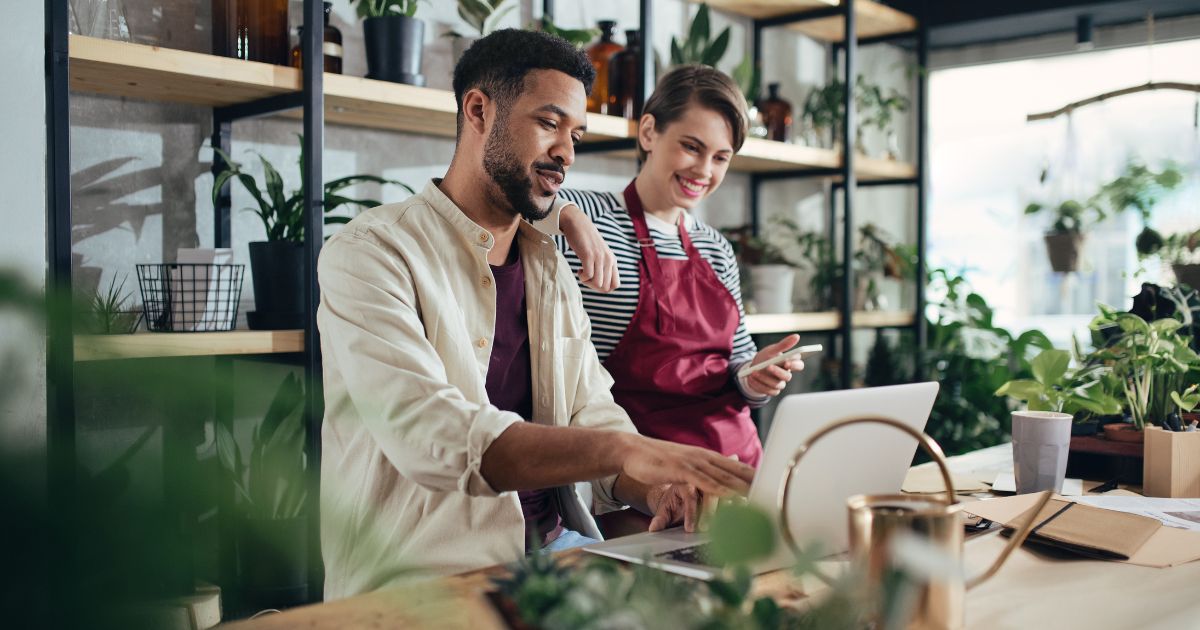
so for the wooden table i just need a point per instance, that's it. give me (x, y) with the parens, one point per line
(1033, 590)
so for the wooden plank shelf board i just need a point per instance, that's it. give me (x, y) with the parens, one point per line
(824, 321)
(151, 73)
(767, 156)
(182, 344)
(874, 19)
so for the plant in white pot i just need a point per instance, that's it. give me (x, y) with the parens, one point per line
(395, 39)
(483, 16)
(771, 276)
(277, 264)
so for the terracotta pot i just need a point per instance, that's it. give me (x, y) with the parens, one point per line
(1123, 432)
(1063, 249)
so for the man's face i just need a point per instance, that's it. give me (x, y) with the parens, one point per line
(532, 145)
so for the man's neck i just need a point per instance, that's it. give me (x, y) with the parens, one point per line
(652, 204)
(466, 193)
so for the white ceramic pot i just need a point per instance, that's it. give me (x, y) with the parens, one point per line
(772, 287)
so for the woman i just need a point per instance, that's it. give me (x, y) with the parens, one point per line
(672, 331)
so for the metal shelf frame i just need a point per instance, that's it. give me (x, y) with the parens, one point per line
(61, 420)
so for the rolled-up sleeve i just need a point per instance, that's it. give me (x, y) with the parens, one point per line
(375, 340)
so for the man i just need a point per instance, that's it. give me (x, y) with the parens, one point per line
(465, 405)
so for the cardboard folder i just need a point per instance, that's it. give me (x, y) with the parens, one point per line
(1163, 547)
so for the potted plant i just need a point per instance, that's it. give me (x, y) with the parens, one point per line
(877, 259)
(1151, 361)
(271, 497)
(824, 112)
(697, 47)
(107, 312)
(772, 277)
(1140, 188)
(1064, 239)
(483, 16)
(394, 40)
(1081, 392)
(277, 264)
(878, 110)
(580, 37)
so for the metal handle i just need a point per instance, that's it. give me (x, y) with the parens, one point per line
(927, 444)
(1013, 542)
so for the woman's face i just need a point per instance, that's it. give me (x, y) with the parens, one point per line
(687, 160)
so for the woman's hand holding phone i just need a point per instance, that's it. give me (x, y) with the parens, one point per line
(770, 380)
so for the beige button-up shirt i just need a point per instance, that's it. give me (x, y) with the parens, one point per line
(407, 316)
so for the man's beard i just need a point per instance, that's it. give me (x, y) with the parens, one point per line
(510, 176)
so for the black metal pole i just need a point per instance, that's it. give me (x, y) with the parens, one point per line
(922, 189)
(313, 147)
(850, 181)
(548, 10)
(222, 138)
(60, 344)
(646, 56)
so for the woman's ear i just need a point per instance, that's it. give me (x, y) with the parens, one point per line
(646, 133)
(475, 107)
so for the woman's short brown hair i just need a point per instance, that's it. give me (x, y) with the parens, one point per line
(707, 87)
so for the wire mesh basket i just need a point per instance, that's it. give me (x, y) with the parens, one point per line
(190, 297)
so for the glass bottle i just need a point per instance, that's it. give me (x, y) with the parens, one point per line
(777, 115)
(332, 46)
(601, 54)
(255, 30)
(624, 79)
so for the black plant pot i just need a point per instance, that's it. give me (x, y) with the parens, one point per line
(272, 562)
(277, 269)
(1063, 249)
(394, 45)
(1090, 427)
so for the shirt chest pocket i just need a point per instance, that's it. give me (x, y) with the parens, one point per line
(571, 357)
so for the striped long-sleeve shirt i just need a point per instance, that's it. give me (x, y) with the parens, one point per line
(611, 313)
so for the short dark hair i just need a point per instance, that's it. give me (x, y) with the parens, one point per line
(694, 84)
(498, 64)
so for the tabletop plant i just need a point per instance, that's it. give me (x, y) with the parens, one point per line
(1151, 360)
(580, 37)
(824, 109)
(1057, 387)
(879, 257)
(697, 47)
(108, 312)
(383, 8)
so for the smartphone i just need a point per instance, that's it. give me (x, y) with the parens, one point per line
(747, 370)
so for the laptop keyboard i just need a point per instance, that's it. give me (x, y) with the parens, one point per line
(696, 554)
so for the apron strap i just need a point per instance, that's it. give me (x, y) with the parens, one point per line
(664, 318)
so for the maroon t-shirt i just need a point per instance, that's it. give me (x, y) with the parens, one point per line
(510, 383)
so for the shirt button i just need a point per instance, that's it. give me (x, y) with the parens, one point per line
(482, 343)
(487, 282)
(483, 236)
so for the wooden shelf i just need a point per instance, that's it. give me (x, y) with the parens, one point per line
(874, 19)
(150, 73)
(113, 68)
(824, 321)
(147, 345)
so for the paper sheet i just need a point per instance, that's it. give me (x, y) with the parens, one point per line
(1178, 513)
(929, 481)
(1007, 482)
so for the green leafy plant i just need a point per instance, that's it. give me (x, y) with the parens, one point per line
(1188, 400)
(580, 37)
(825, 108)
(1151, 361)
(1140, 188)
(483, 16)
(752, 249)
(696, 47)
(282, 213)
(270, 483)
(748, 78)
(1055, 387)
(384, 8)
(108, 313)
(879, 106)
(877, 256)
(1070, 216)
(1181, 248)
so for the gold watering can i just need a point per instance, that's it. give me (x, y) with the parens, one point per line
(876, 520)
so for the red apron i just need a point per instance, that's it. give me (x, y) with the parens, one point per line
(671, 369)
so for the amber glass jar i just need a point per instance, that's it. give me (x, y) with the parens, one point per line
(255, 30)
(624, 79)
(777, 115)
(600, 55)
(332, 46)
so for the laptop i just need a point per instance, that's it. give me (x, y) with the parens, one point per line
(859, 459)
